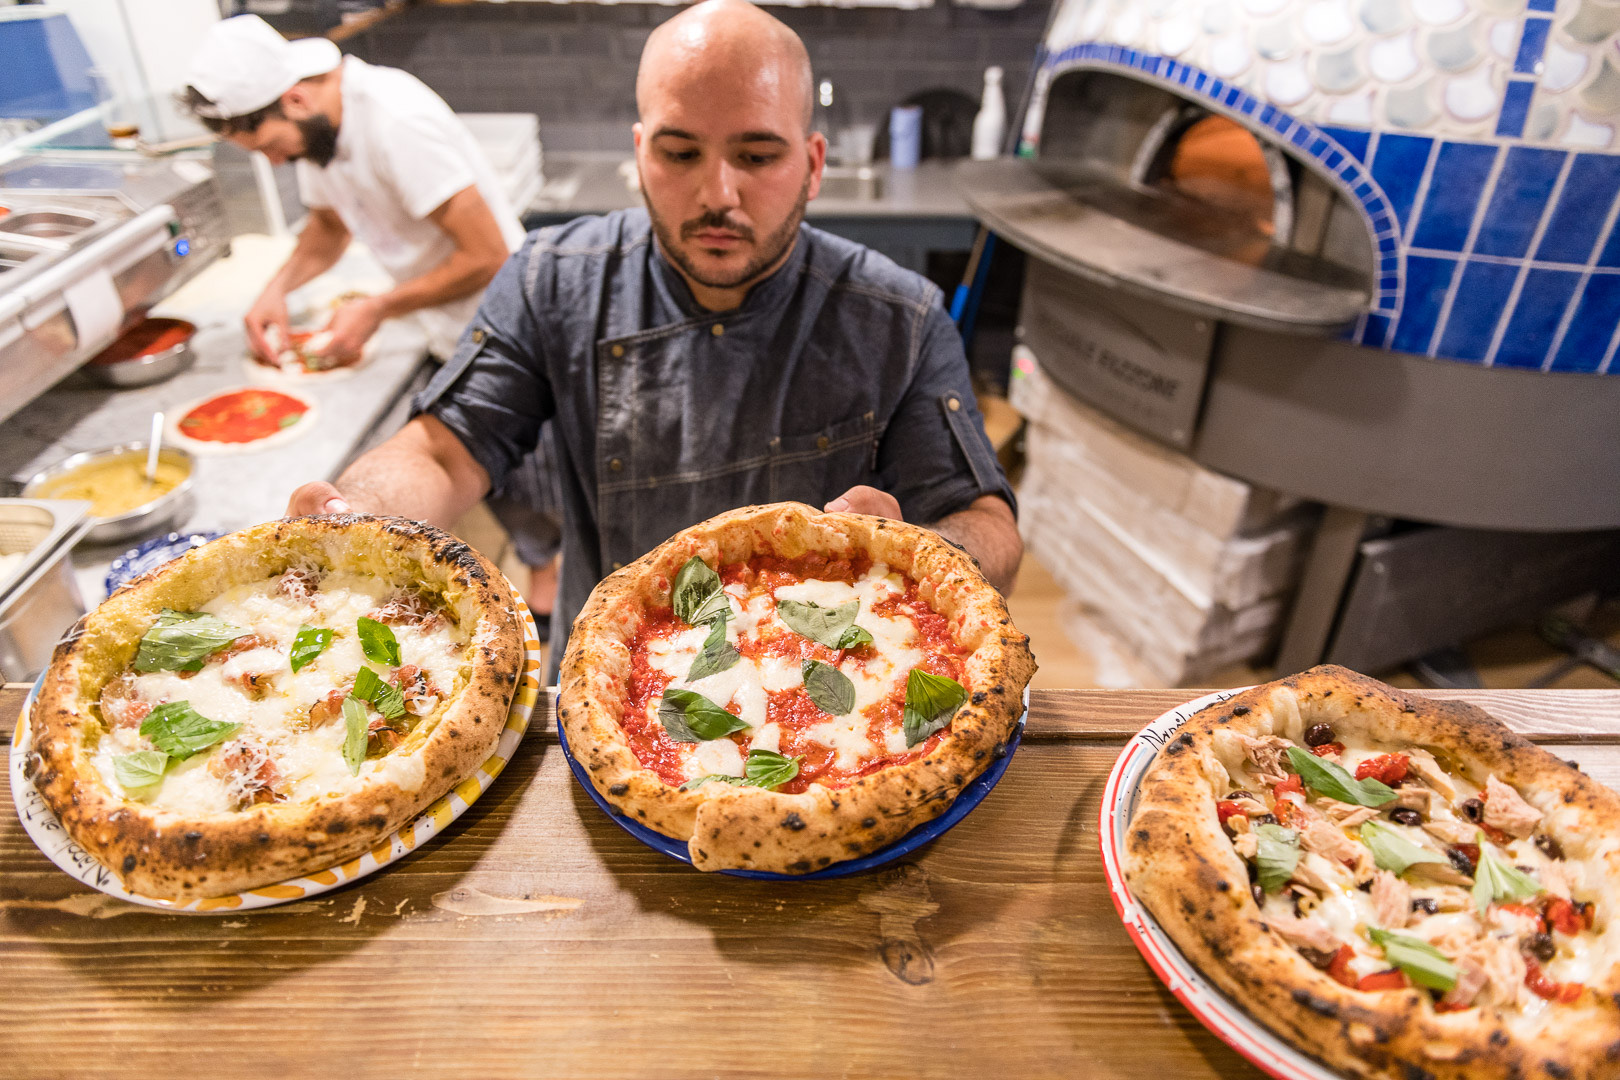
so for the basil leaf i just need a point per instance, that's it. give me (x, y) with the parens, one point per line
(181, 640)
(718, 654)
(697, 596)
(854, 637)
(1496, 880)
(701, 780)
(388, 699)
(1423, 963)
(769, 770)
(355, 735)
(931, 703)
(1326, 778)
(378, 642)
(141, 769)
(690, 717)
(1394, 852)
(1276, 855)
(824, 626)
(181, 731)
(828, 687)
(307, 644)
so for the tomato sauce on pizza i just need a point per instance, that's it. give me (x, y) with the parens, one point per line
(243, 416)
(781, 624)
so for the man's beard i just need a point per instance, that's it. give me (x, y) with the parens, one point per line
(773, 249)
(320, 139)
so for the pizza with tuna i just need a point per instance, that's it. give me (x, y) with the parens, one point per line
(274, 702)
(785, 689)
(1399, 886)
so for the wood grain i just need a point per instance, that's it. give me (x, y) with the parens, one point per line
(535, 938)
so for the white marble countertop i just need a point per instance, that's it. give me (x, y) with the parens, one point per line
(232, 490)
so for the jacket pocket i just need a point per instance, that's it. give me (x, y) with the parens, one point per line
(818, 466)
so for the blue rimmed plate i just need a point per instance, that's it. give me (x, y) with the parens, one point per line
(153, 554)
(972, 795)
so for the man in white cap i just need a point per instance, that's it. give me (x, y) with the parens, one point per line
(380, 157)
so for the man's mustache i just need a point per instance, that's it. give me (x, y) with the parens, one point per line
(717, 221)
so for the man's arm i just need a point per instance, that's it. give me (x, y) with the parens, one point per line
(321, 243)
(479, 251)
(423, 472)
(986, 529)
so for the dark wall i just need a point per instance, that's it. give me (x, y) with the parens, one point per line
(574, 64)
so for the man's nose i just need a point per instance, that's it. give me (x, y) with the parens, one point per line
(720, 187)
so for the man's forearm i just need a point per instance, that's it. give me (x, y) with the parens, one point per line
(462, 274)
(988, 531)
(416, 474)
(319, 247)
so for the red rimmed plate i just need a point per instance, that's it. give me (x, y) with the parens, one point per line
(1213, 1009)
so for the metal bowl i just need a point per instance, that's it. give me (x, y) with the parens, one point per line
(144, 518)
(147, 369)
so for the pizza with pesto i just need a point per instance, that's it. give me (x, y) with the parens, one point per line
(1399, 886)
(784, 689)
(274, 702)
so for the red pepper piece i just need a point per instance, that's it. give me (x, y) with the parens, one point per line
(1393, 979)
(1543, 987)
(1293, 783)
(1563, 916)
(1385, 768)
(1328, 748)
(1339, 967)
(1226, 808)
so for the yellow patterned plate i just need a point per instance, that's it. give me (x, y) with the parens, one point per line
(46, 830)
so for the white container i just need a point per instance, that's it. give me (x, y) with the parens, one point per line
(990, 126)
(40, 599)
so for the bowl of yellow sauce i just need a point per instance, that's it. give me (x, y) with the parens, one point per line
(123, 502)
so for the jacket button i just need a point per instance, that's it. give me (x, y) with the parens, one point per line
(717, 329)
(617, 350)
(477, 337)
(616, 465)
(821, 443)
(953, 404)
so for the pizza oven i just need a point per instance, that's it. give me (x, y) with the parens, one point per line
(1363, 254)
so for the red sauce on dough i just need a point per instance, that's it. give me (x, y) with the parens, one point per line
(145, 338)
(242, 416)
(791, 710)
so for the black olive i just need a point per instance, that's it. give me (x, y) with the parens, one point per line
(1239, 794)
(1299, 912)
(1459, 858)
(1365, 886)
(1541, 947)
(1318, 735)
(1254, 873)
(1549, 847)
(1319, 959)
(1426, 904)
(1473, 810)
(1259, 894)
(1264, 819)
(1405, 816)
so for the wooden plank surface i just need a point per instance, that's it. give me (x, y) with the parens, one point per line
(535, 938)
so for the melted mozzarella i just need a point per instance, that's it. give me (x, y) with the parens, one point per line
(308, 761)
(747, 684)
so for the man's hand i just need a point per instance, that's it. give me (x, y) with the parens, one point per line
(351, 327)
(266, 324)
(317, 497)
(861, 499)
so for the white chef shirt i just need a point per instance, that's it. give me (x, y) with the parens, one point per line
(401, 153)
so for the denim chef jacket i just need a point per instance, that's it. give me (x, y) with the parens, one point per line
(839, 369)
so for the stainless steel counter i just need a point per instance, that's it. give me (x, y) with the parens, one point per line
(232, 490)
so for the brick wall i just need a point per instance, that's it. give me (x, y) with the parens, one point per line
(574, 64)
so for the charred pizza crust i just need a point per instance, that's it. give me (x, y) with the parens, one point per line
(749, 827)
(165, 854)
(1184, 869)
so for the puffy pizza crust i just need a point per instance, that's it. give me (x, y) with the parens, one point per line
(1184, 869)
(169, 855)
(749, 827)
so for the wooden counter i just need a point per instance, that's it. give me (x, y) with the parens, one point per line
(538, 939)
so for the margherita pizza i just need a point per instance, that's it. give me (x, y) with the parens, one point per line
(274, 702)
(1399, 886)
(252, 418)
(784, 689)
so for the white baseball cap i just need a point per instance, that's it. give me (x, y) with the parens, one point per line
(245, 65)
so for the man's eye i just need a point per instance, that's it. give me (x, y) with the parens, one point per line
(681, 155)
(759, 160)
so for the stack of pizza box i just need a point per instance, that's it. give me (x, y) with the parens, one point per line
(1185, 569)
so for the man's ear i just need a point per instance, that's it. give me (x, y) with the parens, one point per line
(816, 147)
(635, 134)
(297, 103)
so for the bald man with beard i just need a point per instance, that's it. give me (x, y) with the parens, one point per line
(708, 352)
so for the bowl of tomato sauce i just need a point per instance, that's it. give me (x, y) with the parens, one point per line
(148, 352)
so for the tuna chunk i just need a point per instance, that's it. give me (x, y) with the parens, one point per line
(1264, 756)
(1392, 900)
(1505, 810)
(1304, 933)
(120, 708)
(1421, 763)
(1347, 815)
